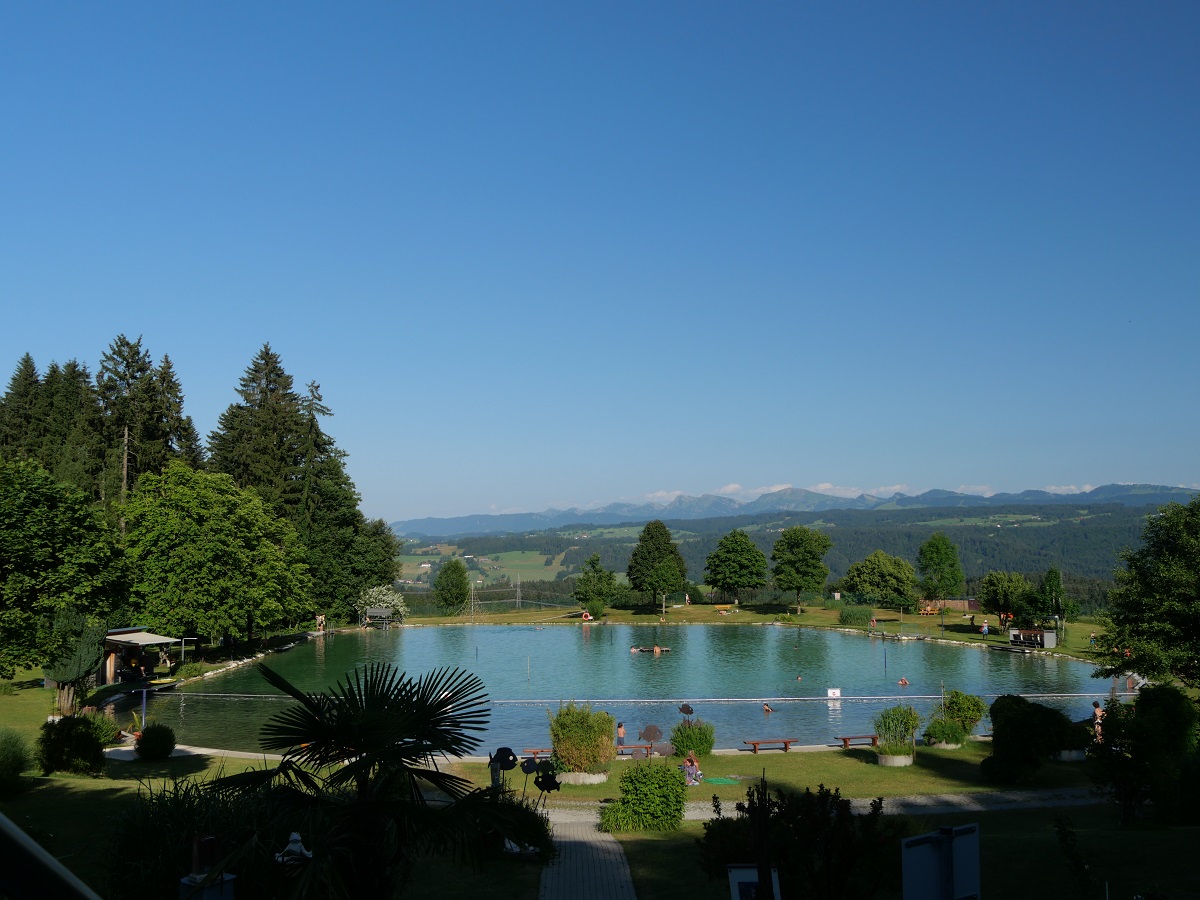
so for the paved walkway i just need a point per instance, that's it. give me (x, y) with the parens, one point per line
(590, 864)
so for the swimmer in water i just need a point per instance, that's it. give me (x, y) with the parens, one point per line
(767, 708)
(903, 682)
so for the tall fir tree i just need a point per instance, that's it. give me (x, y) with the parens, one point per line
(124, 384)
(181, 441)
(21, 413)
(73, 451)
(257, 441)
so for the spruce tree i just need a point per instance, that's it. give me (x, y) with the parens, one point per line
(22, 412)
(124, 384)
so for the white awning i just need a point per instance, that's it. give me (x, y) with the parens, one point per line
(137, 636)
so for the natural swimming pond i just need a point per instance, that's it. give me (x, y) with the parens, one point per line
(724, 672)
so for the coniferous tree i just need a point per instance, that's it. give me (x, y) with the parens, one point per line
(257, 441)
(72, 449)
(645, 572)
(124, 384)
(21, 412)
(181, 441)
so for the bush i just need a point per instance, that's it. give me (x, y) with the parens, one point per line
(944, 730)
(896, 727)
(106, 728)
(653, 796)
(155, 742)
(14, 759)
(966, 709)
(594, 608)
(582, 739)
(190, 670)
(834, 603)
(1023, 735)
(855, 616)
(693, 735)
(7, 689)
(70, 745)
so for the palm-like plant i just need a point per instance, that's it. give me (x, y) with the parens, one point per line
(360, 766)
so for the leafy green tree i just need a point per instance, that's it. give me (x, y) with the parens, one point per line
(646, 570)
(1009, 593)
(736, 565)
(451, 585)
(596, 586)
(941, 572)
(1155, 609)
(209, 558)
(883, 576)
(799, 556)
(56, 553)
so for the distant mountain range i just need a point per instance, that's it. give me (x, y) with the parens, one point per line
(710, 506)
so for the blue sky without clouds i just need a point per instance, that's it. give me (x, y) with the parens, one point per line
(556, 254)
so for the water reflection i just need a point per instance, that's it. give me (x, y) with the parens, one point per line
(724, 672)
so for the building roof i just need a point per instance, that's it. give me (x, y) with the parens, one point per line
(137, 636)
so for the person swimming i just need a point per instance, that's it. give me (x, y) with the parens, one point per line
(903, 682)
(767, 708)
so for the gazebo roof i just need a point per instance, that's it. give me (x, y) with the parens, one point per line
(137, 637)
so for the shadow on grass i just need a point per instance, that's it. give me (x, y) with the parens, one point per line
(161, 770)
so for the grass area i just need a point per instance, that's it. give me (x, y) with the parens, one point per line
(26, 708)
(66, 814)
(854, 771)
(1020, 856)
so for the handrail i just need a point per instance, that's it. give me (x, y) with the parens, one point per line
(31, 873)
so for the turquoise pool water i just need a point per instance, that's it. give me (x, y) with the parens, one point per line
(724, 672)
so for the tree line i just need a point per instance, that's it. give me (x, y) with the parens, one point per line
(112, 507)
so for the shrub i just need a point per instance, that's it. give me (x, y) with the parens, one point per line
(653, 796)
(834, 603)
(155, 742)
(966, 709)
(582, 739)
(1023, 735)
(944, 730)
(859, 616)
(190, 670)
(594, 608)
(896, 727)
(821, 847)
(14, 759)
(70, 745)
(7, 689)
(693, 735)
(106, 728)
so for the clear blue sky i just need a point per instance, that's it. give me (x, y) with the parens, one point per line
(563, 254)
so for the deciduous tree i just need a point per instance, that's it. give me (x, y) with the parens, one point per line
(736, 565)
(1155, 609)
(210, 558)
(1009, 593)
(646, 571)
(596, 586)
(799, 556)
(56, 553)
(941, 572)
(451, 585)
(883, 576)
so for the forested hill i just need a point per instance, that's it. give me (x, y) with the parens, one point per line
(794, 500)
(1080, 541)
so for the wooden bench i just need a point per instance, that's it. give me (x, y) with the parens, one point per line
(785, 742)
(858, 739)
(723, 608)
(633, 748)
(929, 611)
(534, 751)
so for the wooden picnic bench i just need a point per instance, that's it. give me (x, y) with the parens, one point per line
(534, 751)
(858, 739)
(786, 742)
(633, 748)
(723, 608)
(928, 611)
